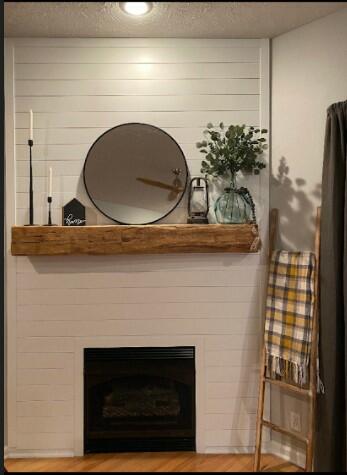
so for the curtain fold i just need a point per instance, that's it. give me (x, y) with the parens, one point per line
(330, 451)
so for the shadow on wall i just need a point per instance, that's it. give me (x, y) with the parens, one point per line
(297, 209)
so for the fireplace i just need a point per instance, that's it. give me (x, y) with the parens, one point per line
(139, 399)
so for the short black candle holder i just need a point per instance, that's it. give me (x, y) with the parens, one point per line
(49, 200)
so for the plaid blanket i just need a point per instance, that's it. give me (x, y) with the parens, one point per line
(289, 315)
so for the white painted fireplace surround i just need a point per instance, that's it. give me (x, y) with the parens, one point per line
(56, 306)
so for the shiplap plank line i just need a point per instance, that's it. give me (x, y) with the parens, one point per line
(111, 119)
(138, 71)
(40, 199)
(45, 392)
(131, 296)
(43, 441)
(223, 390)
(190, 310)
(44, 408)
(79, 136)
(228, 342)
(137, 42)
(239, 277)
(61, 184)
(39, 376)
(147, 327)
(140, 263)
(48, 425)
(231, 374)
(45, 345)
(48, 344)
(114, 54)
(227, 358)
(178, 216)
(79, 152)
(51, 153)
(138, 103)
(230, 421)
(233, 405)
(44, 360)
(233, 438)
(137, 87)
(230, 357)
(66, 187)
(60, 200)
(73, 168)
(61, 168)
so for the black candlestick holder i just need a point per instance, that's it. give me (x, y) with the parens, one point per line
(49, 201)
(31, 192)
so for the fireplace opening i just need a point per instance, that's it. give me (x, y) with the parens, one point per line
(139, 399)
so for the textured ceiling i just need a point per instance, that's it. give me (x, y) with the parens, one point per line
(167, 19)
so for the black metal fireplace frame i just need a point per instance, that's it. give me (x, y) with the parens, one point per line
(184, 441)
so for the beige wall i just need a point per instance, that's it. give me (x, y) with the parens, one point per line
(309, 72)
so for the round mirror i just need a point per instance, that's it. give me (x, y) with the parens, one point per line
(135, 173)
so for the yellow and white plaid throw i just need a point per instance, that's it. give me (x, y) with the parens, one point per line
(289, 315)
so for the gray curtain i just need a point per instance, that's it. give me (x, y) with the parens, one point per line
(330, 453)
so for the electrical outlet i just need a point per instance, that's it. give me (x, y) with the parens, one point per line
(295, 421)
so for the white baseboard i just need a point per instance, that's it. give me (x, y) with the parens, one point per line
(294, 455)
(19, 454)
(229, 450)
(266, 448)
(5, 452)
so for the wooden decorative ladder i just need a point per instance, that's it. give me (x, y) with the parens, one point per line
(311, 392)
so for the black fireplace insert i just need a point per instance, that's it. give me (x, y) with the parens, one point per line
(139, 399)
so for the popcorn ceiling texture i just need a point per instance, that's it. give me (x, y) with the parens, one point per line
(167, 19)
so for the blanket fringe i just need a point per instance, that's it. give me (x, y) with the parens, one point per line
(291, 371)
(288, 370)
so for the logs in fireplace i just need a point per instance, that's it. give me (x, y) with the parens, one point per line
(139, 399)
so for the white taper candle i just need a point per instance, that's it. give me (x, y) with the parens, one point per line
(50, 182)
(31, 135)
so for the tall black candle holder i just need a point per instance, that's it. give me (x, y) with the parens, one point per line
(31, 192)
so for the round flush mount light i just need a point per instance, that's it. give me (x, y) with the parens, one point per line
(136, 8)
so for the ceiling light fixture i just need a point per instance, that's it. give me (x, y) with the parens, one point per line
(136, 8)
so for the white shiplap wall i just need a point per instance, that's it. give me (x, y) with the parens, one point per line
(78, 88)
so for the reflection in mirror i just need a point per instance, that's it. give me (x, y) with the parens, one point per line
(135, 173)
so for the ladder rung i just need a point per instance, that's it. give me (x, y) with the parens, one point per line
(290, 387)
(272, 426)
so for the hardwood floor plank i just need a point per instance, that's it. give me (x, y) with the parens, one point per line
(151, 462)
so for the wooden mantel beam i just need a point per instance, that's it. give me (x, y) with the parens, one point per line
(148, 239)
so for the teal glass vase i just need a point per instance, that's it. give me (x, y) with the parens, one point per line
(234, 206)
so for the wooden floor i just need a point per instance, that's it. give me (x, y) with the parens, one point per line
(150, 462)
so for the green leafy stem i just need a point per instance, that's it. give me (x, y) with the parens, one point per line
(229, 150)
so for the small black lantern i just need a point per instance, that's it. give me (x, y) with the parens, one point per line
(198, 203)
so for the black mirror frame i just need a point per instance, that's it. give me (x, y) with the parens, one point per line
(184, 161)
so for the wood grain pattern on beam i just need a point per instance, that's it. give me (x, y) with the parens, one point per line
(148, 239)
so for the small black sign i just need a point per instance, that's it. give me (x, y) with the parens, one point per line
(74, 213)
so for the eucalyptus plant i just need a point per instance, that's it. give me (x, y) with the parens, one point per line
(229, 150)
